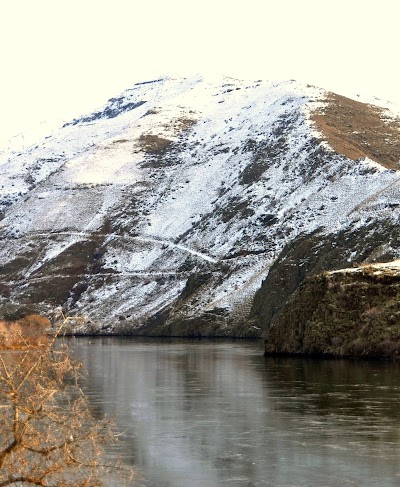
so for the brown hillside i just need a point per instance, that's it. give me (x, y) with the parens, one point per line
(358, 130)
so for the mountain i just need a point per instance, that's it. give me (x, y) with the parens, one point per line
(196, 206)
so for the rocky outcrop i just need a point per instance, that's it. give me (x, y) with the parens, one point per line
(375, 241)
(353, 312)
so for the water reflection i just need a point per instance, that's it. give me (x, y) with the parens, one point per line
(209, 413)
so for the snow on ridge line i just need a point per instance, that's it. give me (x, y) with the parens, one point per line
(167, 87)
(37, 132)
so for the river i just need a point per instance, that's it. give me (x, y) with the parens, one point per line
(205, 413)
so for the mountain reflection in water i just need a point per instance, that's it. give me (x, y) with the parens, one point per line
(204, 413)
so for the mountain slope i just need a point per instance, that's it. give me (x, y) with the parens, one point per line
(162, 212)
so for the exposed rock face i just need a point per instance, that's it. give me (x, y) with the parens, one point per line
(162, 212)
(352, 312)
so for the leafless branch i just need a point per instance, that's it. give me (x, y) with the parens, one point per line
(48, 436)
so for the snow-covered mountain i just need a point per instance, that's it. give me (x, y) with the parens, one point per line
(163, 211)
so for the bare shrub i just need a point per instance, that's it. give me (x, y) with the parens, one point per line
(28, 331)
(48, 436)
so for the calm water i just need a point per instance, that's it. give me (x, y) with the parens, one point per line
(217, 413)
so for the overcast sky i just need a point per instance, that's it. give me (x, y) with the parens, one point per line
(60, 58)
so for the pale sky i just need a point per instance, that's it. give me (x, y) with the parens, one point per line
(60, 58)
